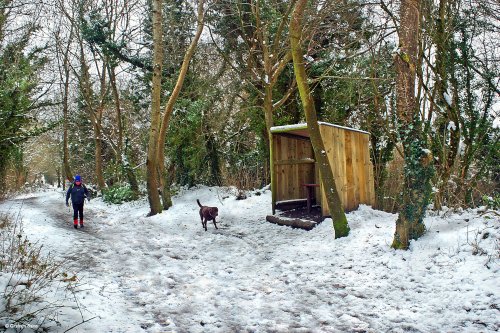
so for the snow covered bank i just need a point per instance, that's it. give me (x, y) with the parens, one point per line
(165, 273)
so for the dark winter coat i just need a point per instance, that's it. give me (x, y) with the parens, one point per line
(78, 194)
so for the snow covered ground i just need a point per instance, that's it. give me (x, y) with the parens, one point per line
(166, 274)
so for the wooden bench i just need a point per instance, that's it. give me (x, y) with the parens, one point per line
(310, 194)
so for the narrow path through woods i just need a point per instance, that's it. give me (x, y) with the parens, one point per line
(93, 255)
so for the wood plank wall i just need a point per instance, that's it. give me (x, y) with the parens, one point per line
(349, 155)
(291, 175)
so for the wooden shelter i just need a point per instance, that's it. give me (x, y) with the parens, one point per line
(295, 175)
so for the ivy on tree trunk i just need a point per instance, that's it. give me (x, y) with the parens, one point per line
(418, 168)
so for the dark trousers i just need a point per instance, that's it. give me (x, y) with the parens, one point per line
(78, 209)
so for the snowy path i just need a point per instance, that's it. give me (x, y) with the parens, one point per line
(165, 273)
(92, 255)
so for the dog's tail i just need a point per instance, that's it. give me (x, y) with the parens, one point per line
(199, 204)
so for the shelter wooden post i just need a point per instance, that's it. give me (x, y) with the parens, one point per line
(273, 176)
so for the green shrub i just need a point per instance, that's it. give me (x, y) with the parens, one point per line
(492, 202)
(118, 194)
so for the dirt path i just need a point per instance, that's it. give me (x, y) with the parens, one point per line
(93, 254)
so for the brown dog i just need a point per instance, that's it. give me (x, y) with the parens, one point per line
(207, 214)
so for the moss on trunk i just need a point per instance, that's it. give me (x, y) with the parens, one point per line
(335, 206)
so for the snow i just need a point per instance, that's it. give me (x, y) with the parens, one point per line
(343, 127)
(447, 98)
(308, 58)
(165, 273)
(286, 128)
(452, 126)
(496, 123)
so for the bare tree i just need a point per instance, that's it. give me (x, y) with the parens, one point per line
(335, 206)
(166, 196)
(152, 162)
(65, 74)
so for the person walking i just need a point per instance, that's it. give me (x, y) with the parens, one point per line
(78, 192)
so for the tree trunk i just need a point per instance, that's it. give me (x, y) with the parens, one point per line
(67, 169)
(129, 172)
(418, 160)
(66, 166)
(152, 162)
(98, 153)
(268, 116)
(95, 116)
(58, 174)
(444, 71)
(121, 154)
(335, 207)
(97, 121)
(119, 125)
(165, 184)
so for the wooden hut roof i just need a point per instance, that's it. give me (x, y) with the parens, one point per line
(301, 129)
